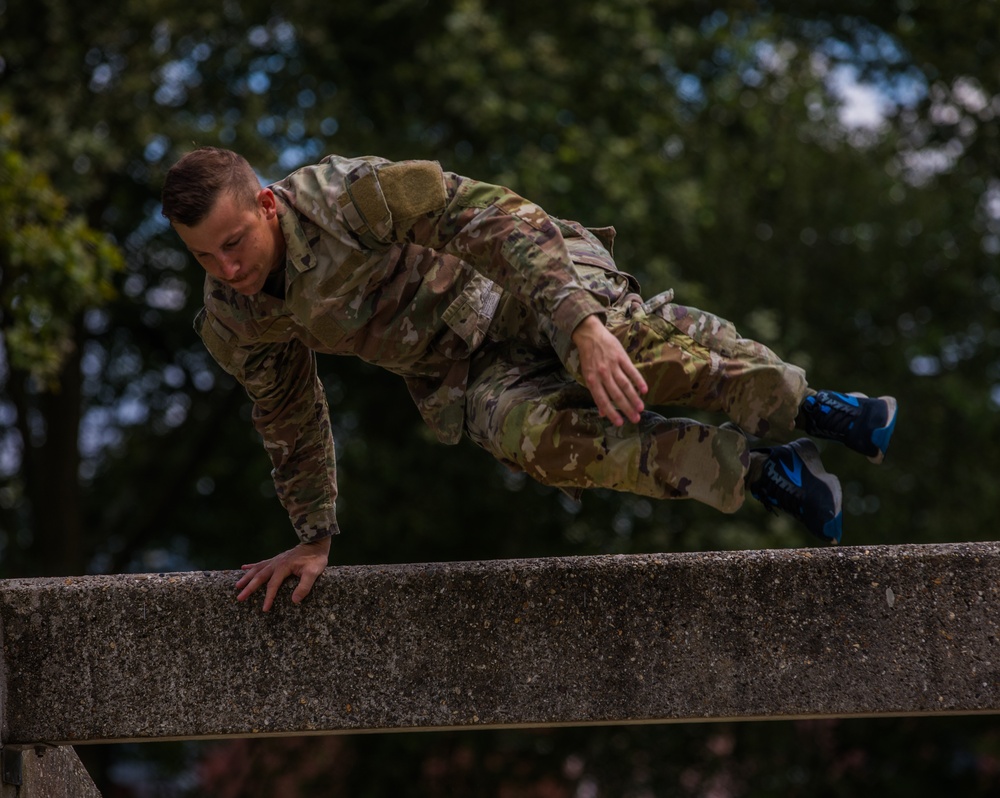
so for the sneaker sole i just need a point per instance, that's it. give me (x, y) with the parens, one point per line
(882, 436)
(833, 530)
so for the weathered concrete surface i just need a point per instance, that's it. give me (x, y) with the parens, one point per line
(739, 635)
(58, 773)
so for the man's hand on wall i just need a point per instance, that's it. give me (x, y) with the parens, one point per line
(306, 561)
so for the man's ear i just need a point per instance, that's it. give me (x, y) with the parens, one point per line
(267, 202)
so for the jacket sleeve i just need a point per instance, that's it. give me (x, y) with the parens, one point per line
(503, 236)
(290, 413)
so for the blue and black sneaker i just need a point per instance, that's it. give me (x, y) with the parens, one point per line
(793, 479)
(863, 424)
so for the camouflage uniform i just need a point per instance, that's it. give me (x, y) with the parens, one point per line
(471, 294)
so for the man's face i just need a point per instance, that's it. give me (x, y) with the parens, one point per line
(238, 245)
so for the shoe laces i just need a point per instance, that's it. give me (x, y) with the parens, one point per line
(828, 413)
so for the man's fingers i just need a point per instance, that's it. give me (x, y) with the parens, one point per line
(632, 403)
(245, 580)
(605, 405)
(275, 582)
(635, 378)
(255, 576)
(617, 395)
(629, 377)
(249, 585)
(250, 572)
(305, 585)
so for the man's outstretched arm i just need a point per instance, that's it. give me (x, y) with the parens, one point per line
(290, 413)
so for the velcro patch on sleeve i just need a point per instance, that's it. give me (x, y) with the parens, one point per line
(412, 188)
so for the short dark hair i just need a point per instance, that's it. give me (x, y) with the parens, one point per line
(195, 182)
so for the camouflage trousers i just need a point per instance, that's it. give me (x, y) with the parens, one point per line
(533, 412)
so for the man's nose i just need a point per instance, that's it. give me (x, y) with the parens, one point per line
(229, 265)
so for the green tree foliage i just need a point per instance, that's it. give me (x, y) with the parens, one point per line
(54, 267)
(823, 174)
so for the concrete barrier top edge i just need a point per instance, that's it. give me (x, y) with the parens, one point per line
(743, 556)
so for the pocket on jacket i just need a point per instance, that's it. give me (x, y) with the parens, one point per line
(221, 343)
(469, 316)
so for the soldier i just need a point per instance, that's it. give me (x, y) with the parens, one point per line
(508, 325)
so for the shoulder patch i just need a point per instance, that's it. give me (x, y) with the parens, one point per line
(381, 197)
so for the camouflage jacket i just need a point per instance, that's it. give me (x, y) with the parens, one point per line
(403, 265)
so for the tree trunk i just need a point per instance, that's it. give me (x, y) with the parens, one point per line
(50, 470)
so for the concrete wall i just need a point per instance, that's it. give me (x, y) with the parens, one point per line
(651, 638)
(56, 773)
